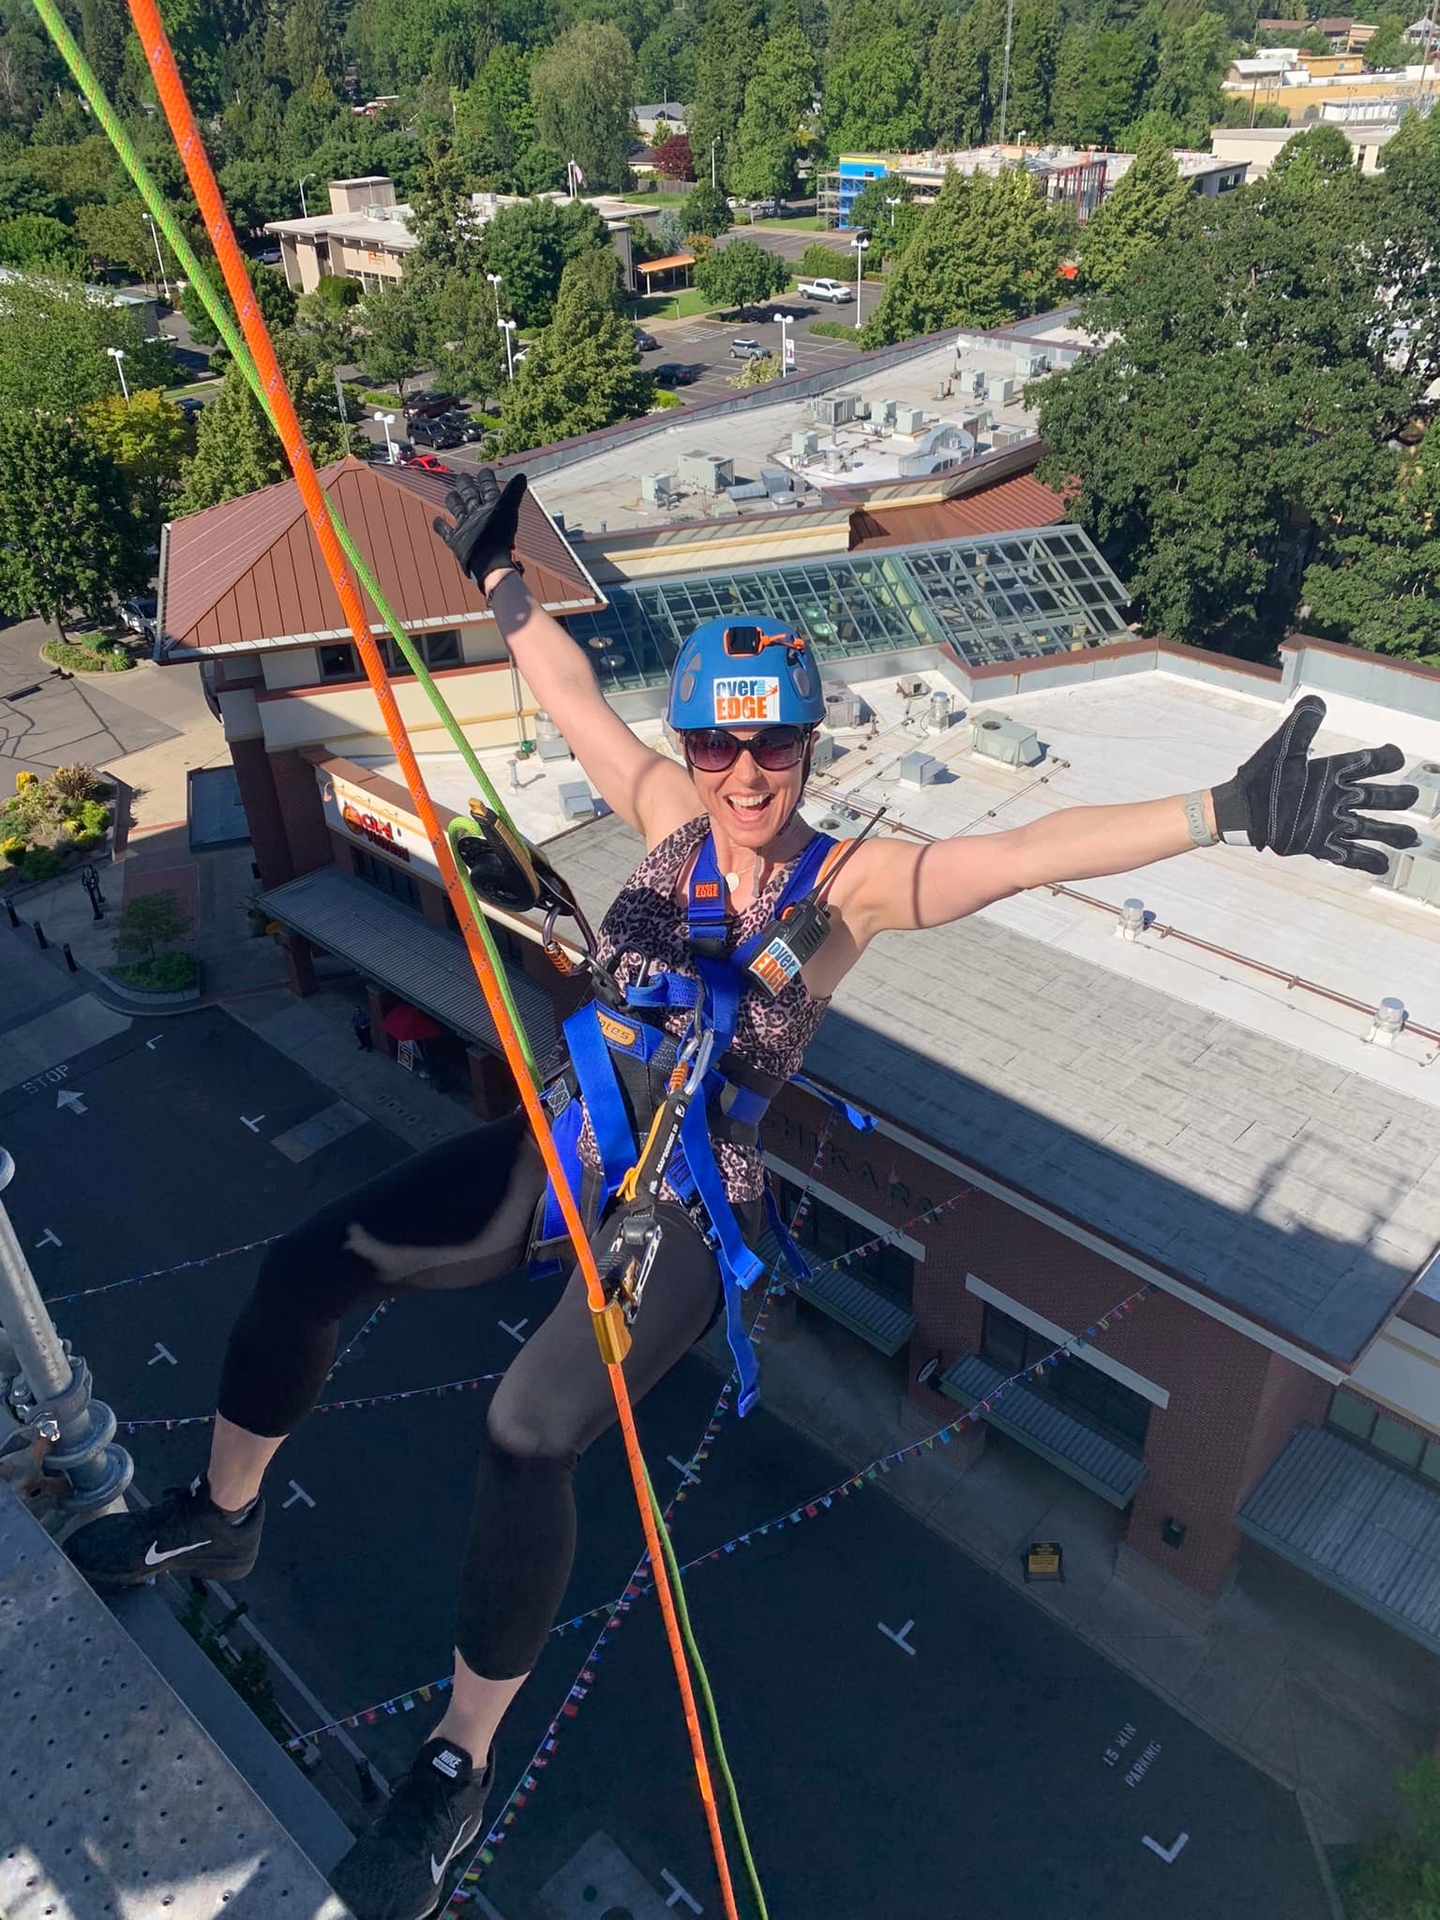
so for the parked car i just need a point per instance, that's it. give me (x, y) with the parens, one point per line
(425, 432)
(670, 373)
(765, 209)
(430, 404)
(377, 451)
(463, 424)
(646, 342)
(747, 349)
(427, 463)
(139, 615)
(825, 290)
(269, 257)
(191, 407)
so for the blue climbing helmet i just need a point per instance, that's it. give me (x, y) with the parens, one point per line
(745, 673)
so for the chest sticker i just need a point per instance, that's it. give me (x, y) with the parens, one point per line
(753, 698)
(775, 966)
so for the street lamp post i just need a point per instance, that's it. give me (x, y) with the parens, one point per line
(785, 350)
(713, 145)
(495, 279)
(893, 201)
(304, 210)
(507, 327)
(159, 257)
(859, 243)
(387, 420)
(117, 354)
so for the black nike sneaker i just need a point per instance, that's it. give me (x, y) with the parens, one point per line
(435, 1818)
(185, 1532)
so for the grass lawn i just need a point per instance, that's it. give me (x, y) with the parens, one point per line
(660, 198)
(672, 306)
(796, 223)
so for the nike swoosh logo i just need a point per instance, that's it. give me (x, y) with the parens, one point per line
(463, 1838)
(154, 1559)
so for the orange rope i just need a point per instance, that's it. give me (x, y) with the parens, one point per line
(178, 113)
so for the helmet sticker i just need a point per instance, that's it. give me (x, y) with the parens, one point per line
(753, 698)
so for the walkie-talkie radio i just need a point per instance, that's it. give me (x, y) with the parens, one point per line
(798, 934)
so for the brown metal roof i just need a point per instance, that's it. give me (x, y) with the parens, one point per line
(665, 262)
(1008, 507)
(248, 573)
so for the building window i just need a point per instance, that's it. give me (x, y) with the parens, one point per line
(1082, 1390)
(388, 879)
(825, 1234)
(341, 661)
(1375, 1430)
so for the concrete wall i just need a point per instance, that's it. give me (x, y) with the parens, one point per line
(346, 717)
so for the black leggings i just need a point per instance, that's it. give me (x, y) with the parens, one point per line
(454, 1217)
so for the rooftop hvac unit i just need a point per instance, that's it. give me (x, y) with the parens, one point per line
(1416, 872)
(776, 480)
(909, 420)
(1011, 742)
(1001, 392)
(973, 383)
(834, 409)
(862, 409)
(919, 769)
(886, 412)
(1030, 365)
(843, 707)
(1425, 774)
(837, 459)
(911, 687)
(747, 490)
(706, 472)
(657, 489)
(577, 802)
(843, 824)
(804, 446)
(822, 750)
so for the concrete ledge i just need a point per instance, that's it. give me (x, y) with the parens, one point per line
(150, 997)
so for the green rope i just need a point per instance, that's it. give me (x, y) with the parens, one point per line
(712, 1715)
(234, 340)
(159, 209)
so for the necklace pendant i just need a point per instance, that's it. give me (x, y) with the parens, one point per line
(732, 881)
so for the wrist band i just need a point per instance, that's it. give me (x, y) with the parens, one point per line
(500, 569)
(1200, 834)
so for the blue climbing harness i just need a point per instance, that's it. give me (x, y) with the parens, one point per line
(620, 1060)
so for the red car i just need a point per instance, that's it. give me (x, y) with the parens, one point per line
(427, 463)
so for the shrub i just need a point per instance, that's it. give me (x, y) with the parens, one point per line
(148, 921)
(835, 330)
(41, 864)
(819, 262)
(76, 657)
(165, 973)
(74, 783)
(757, 372)
(90, 817)
(13, 849)
(24, 779)
(86, 842)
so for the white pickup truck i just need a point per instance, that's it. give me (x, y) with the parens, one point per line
(824, 290)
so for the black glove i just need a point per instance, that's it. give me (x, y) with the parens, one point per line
(1282, 800)
(484, 521)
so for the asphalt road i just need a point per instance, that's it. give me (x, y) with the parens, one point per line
(966, 1776)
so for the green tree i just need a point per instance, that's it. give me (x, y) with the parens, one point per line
(530, 245)
(872, 97)
(729, 48)
(54, 338)
(103, 35)
(35, 241)
(273, 296)
(401, 41)
(1193, 62)
(312, 42)
(885, 209)
(757, 373)
(258, 190)
(149, 922)
(957, 94)
(1376, 581)
(1109, 88)
(741, 275)
(237, 450)
(115, 236)
(1034, 53)
(1152, 206)
(777, 101)
(393, 335)
(67, 541)
(146, 439)
(705, 212)
(988, 251)
(665, 59)
(495, 119)
(443, 222)
(1408, 228)
(583, 87)
(581, 374)
(1239, 410)
(1389, 48)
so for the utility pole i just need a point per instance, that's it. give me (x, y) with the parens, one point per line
(51, 1392)
(1005, 83)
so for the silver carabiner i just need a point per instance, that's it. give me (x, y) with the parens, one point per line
(695, 1054)
(642, 1273)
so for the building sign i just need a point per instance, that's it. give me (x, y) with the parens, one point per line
(1044, 1560)
(374, 824)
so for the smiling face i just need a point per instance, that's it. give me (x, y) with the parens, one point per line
(749, 804)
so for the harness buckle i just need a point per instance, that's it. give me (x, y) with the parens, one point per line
(695, 1055)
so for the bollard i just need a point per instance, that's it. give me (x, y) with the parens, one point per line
(40, 935)
(70, 960)
(10, 909)
(369, 1792)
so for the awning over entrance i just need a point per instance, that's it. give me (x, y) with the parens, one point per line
(1360, 1526)
(1046, 1429)
(395, 947)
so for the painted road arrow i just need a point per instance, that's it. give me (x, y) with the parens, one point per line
(71, 1100)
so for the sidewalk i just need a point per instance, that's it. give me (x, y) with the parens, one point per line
(1312, 1690)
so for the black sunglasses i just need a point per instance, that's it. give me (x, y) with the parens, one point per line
(776, 749)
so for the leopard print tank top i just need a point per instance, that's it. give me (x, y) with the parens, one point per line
(647, 921)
